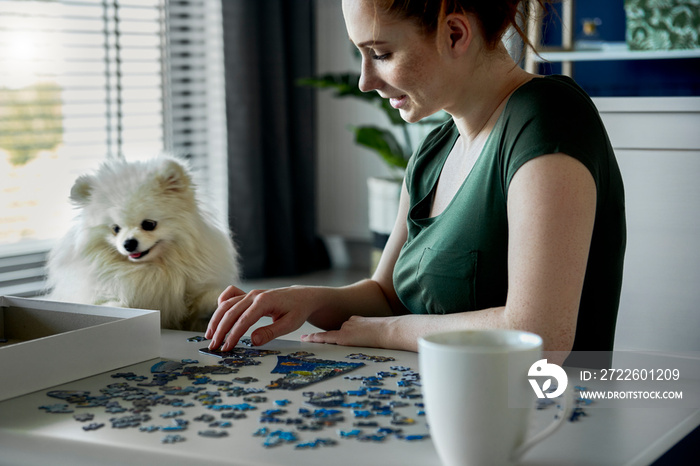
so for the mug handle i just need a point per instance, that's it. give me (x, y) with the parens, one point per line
(547, 431)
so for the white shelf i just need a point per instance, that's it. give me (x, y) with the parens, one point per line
(612, 51)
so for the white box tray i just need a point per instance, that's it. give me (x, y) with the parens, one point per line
(50, 343)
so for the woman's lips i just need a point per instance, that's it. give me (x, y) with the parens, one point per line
(398, 102)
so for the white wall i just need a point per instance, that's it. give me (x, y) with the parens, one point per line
(343, 167)
(657, 143)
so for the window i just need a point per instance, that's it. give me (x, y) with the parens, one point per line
(84, 81)
(195, 95)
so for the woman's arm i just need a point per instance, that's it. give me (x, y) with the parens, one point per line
(551, 211)
(324, 307)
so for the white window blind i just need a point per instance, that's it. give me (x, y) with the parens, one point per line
(88, 80)
(195, 95)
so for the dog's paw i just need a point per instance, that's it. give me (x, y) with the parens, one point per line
(113, 304)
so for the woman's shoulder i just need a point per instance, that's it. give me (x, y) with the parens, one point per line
(552, 105)
(553, 114)
(554, 92)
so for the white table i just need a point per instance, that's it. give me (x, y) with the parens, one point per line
(28, 435)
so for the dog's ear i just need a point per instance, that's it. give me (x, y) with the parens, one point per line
(173, 177)
(81, 191)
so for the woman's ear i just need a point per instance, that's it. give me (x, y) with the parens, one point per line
(458, 33)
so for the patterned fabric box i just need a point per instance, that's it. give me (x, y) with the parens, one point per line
(663, 24)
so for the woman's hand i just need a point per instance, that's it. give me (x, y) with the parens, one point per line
(356, 331)
(238, 311)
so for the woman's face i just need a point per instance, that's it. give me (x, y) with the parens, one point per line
(397, 60)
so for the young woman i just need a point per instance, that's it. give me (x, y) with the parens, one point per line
(511, 214)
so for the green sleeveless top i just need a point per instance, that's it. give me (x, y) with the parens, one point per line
(457, 261)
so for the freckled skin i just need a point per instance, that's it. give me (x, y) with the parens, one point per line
(400, 65)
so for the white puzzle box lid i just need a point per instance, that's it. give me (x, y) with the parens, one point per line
(46, 343)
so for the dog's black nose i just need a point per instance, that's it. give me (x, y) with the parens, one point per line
(131, 244)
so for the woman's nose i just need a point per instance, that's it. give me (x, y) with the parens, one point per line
(368, 78)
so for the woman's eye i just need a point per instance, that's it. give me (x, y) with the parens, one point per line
(149, 225)
(115, 229)
(381, 57)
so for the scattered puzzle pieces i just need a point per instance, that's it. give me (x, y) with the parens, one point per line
(245, 380)
(173, 438)
(185, 383)
(57, 409)
(578, 409)
(278, 437)
(93, 426)
(71, 396)
(367, 357)
(576, 414)
(211, 433)
(205, 418)
(166, 366)
(325, 399)
(133, 420)
(149, 429)
(324, 442)
(239, 353)
(171, 414)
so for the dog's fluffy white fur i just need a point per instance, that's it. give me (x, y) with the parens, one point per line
(141, 240)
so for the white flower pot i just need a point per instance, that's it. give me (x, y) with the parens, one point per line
(384, 194)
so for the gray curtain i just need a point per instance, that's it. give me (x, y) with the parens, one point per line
(268, 45)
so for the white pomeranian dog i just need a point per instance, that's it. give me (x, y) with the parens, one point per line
(142, 240)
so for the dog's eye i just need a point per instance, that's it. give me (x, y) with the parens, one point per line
(149, 225)
(115, 229)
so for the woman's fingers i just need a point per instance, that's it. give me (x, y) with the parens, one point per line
(218, 315)
(230, 292)
(330, 337)
(242, 313)
(288, 308)
(223, 336)
(225, 318)
(283, 325)
(356, 331)
(225, 304)
(257, 304)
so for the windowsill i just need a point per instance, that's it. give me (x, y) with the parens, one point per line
(26, 247)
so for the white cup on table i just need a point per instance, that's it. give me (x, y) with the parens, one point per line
(478, 395)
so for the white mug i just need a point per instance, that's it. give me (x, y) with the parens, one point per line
(477, 395)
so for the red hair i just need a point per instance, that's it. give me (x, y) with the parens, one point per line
(494, 16)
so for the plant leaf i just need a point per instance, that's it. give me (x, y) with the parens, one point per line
(384, 143)
(347, 85)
